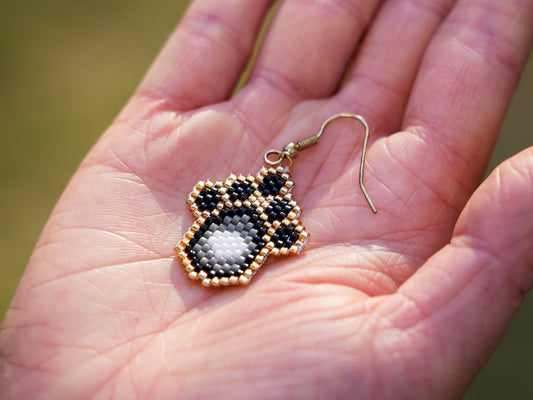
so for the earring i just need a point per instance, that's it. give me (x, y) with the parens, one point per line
(243, 220)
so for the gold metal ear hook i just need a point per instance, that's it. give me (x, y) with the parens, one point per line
(291, 150)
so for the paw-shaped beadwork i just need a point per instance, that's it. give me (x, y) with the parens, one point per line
(239, 223)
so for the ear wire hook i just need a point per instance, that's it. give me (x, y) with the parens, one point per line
(291, 150)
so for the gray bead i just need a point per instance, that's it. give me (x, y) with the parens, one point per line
(227, 221)
(204, 261)
(245, 218)
(202, 241)
(226, 269)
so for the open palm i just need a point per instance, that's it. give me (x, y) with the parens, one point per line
(407, 303)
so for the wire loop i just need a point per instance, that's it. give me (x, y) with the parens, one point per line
(291, 150)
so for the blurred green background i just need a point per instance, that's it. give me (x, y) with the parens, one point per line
(67, 67)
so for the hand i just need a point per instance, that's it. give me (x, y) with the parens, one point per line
(408, 303)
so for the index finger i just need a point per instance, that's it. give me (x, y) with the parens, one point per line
(465, 84)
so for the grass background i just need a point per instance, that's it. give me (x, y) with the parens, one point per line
(66, 69)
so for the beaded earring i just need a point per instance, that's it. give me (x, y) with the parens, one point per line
(243, 220)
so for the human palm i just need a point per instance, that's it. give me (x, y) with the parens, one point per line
(407, 303)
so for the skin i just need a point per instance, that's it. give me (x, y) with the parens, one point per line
(405, 304)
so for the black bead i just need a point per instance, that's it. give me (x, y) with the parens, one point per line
(236, 270)
(249, 211)
(287, 230)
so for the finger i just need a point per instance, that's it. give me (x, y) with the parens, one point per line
(380, 83)
(383, 74)
(204, 58)
(460, 97)
(308, 47)
(462, 300)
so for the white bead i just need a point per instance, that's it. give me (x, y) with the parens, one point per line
(227, 244)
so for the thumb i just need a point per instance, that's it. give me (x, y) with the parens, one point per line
(462, 300)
